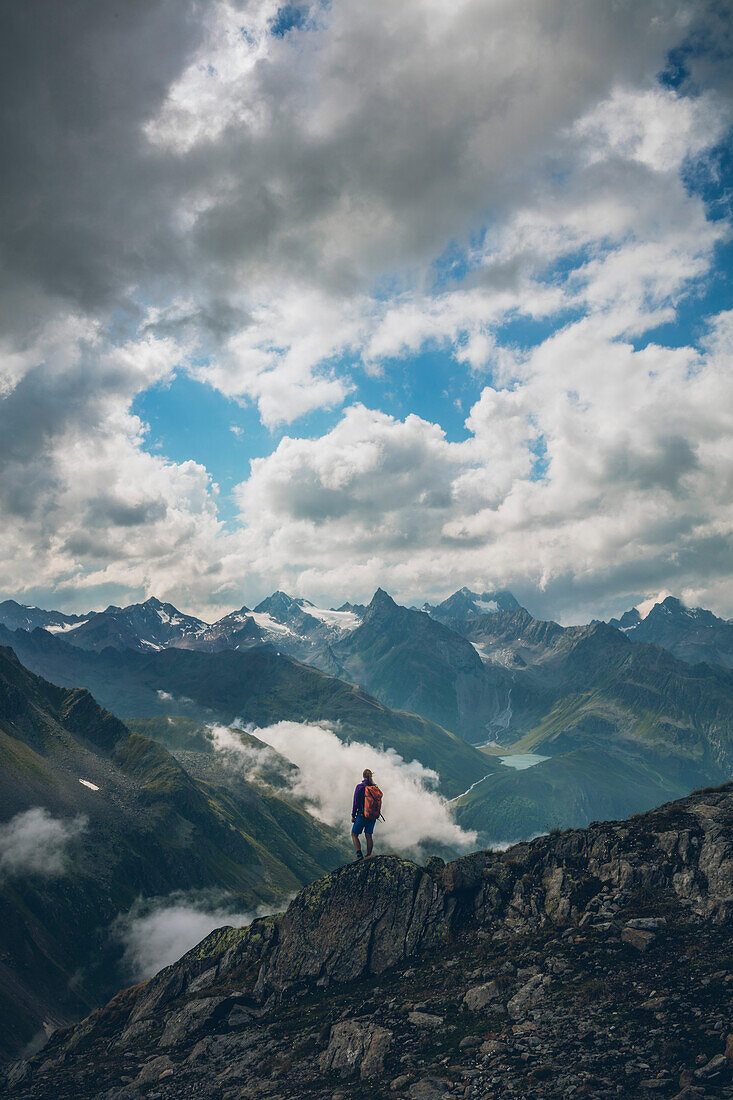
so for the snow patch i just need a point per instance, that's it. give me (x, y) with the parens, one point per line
(61, 628)
(266, 622)
(486, 605)
(341, 620)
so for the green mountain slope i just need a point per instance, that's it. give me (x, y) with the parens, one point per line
(140, 825)
(640, 697)
(628, 726)
(410, 661)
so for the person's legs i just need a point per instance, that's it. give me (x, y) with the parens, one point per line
(368, 830)
(355, 830)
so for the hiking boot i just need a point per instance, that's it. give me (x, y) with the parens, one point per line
(359, 855)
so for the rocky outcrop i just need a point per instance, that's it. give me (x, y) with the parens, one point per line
(630, 886)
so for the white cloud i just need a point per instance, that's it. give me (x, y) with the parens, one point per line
(158, 931)
(35, 842)
(634, 484)
(416, 816)
(657, 127)
(646, 605)
(255, 761)
(285, 206)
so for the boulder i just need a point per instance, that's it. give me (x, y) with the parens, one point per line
(480, 996)
(528, 996)
(637, 937)
(155, 1070)
(424, 1019)
(356, 1046)
(429, 1088)
(400, 1082)
(716, 1065)
(647, 924)
(492, 1047)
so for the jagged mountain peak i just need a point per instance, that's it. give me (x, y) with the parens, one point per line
(467, 604)
(355, 608)
(153, 601)
(277, 602)
(380, 604)
(18, 616)
(693, 634)
(243, 610)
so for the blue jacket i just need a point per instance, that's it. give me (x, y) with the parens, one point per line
(357, 810)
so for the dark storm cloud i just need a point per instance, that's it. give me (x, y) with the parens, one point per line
(89, 204)
(83, 202)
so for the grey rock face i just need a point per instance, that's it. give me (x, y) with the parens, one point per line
(189, 1020)
(343, 927)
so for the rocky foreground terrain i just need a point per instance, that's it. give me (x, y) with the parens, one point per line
(590, 963)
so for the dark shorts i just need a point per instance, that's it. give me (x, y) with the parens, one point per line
(365, 823)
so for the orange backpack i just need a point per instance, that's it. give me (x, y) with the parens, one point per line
(372, 802)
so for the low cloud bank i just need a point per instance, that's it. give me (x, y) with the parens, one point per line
(158, 931)
(416, 815)
(255, 761)
(36, 843)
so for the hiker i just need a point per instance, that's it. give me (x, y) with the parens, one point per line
(367, 807)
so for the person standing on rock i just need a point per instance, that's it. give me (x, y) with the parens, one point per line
(366, 808)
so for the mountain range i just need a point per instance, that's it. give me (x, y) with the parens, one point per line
(257, 687)
(608, 724)
(300, 629)
(530, 726)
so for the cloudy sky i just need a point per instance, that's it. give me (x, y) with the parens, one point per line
(348, 293)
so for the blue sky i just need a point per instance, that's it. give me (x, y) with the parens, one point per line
(188, 419)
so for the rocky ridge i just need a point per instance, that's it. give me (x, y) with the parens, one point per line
(593, 962)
